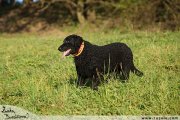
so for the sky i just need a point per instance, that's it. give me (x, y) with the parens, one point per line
(21, 1)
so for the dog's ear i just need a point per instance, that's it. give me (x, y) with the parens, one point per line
(75, 40)
(78, 41)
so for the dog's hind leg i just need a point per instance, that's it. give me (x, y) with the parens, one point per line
(125, 70)
(125, 73)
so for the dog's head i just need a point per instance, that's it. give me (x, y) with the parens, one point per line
(71, 45)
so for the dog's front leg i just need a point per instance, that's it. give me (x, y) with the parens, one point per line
(80, 81)
(95, 83)
(96, 80)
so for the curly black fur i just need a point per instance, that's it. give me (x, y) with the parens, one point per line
(94, 61)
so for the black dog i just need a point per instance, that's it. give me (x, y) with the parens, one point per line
(93, 61)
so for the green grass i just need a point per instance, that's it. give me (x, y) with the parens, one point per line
(35, 77)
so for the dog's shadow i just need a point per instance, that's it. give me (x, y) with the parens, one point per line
(73, 81)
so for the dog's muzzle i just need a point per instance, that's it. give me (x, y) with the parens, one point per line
(60, 49)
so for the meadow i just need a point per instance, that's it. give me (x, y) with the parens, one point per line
(33, 75)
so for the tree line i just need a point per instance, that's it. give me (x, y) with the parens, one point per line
(138, 12)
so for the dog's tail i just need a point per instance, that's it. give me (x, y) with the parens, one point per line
(136, 71)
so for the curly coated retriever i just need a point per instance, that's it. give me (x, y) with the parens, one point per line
(94, 61)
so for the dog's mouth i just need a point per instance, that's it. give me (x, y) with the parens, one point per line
(67, 52)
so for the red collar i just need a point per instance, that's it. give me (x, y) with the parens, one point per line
(80, 50)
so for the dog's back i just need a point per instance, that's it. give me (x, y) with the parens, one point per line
(107, 58)
(111, 56)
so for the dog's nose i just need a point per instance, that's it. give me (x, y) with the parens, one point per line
(60, 49)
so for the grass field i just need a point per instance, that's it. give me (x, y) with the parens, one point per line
(33, 76)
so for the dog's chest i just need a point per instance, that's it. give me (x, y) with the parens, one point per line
(84, 66)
